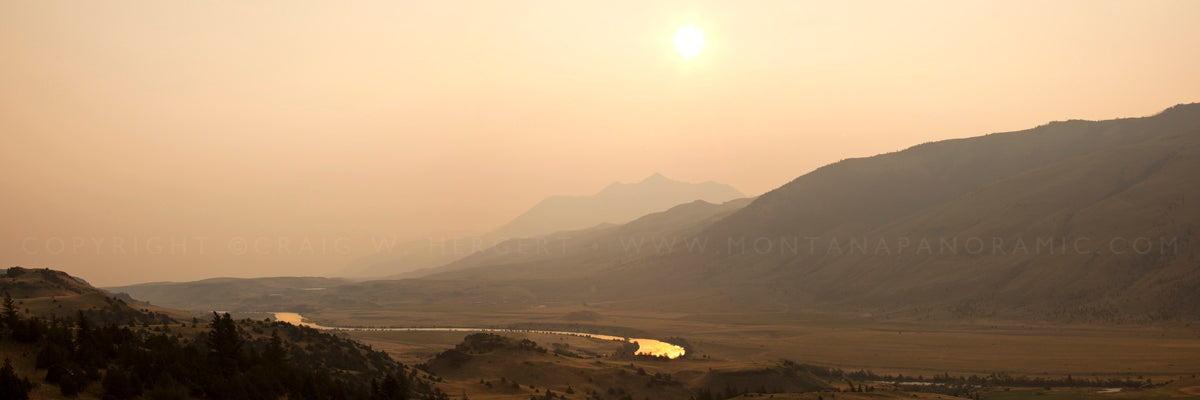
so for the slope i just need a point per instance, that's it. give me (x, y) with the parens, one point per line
(576, 254)
(835, 235)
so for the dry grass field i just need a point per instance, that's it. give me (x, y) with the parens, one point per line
(893, 346)
(881, 347)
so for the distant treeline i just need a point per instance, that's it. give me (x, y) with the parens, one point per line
(993, 379)
(619, 331)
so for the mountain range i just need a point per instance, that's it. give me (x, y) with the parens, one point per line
(1090, 221)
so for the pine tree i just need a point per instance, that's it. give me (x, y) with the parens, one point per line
(393, 389)
(12, 387)
(70, 382)
(224, 342)
(119, 385)
(275, 355)
(10, 311)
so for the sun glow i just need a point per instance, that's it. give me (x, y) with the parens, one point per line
(689, 41)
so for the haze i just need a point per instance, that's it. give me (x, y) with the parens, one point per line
(317, 122)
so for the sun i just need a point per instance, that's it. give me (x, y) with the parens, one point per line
(689, 41)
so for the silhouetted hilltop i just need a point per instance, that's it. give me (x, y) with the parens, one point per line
(49, 293)
(23, 282)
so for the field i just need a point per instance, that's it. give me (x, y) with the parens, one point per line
(758, 342)
(891, 346)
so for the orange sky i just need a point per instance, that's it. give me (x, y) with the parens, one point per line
(316, 121)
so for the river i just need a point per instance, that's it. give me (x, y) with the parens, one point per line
(648, 347)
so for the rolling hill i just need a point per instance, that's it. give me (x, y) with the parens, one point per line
(48, 293)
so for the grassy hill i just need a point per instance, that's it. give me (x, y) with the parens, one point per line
(47, 293)
(495, 366)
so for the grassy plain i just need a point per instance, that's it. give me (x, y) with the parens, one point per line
(883, 345)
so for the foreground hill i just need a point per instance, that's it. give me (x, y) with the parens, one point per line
(26, 283)
(47, 293)
(111, 350)
(617, 203)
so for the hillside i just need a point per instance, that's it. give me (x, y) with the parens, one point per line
(25, 283)
(110, 350)
(578, 253)
(47, 293)
(617, 203)
(1089, 188)
(503, 367)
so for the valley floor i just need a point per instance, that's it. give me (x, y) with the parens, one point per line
(907, 347)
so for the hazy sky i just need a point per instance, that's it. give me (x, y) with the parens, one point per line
(129, 125)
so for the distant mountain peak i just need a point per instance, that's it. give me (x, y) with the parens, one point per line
(617, 203)
(653, 179)
(656, 177)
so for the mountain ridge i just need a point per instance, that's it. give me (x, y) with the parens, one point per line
(1058, 165)
(655, 192)
(616, 203)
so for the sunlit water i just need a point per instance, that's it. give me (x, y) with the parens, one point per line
(648, 347)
